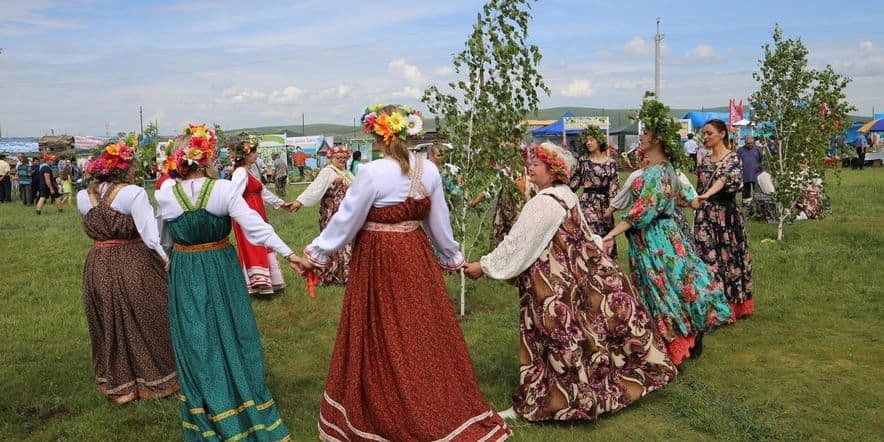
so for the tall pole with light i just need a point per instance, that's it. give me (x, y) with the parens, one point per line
(658, 43)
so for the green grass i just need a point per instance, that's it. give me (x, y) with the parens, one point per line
(806, 366)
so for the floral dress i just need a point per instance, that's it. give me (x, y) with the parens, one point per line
(720, 232)
(600, 183)
(677, 287)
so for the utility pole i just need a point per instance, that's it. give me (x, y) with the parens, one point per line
(303, 132)
(141, 119)
(658, 43)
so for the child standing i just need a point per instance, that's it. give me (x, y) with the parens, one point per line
(67, 187)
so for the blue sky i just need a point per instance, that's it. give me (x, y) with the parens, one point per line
(78, 65)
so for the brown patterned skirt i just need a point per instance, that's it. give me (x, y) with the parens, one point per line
(125, 296)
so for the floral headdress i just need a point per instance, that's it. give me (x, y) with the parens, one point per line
(339, 149)
(199, 150)
(243, 145)
(557, 160)
(595, 133)
(655, 117)
(115, 160)
(403, 122)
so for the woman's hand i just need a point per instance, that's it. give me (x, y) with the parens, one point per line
(609, 212)
(608, 242)
(292, 206)
(300, 265)
(473, 270)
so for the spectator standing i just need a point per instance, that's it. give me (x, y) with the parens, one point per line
(48, 187)
(861, 145)
(5, 180)
(24, 181)
(300, 159)
(280, 173)
(690, 146)
(751, 161)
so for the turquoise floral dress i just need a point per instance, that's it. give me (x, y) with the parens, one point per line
(683, 298)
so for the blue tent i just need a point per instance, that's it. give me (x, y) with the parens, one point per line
(698, 119)
(850, 134)
(555, 128)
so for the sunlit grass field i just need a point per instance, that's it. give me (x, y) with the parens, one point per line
(808, 365)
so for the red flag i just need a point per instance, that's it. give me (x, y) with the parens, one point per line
(732, 112)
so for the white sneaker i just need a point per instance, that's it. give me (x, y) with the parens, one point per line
(509, 413)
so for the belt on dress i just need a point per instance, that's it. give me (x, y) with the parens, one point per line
(401, 227)
(220, 244)
(115, 242)
(251, 194)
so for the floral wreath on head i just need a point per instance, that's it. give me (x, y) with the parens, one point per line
(243, 145)
(654, 116)
(554, 161)
(339, 149)
(199, 150)
(115, 159)
(403, 122)
(596, 134)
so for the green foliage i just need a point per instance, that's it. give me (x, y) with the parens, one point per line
(499, 85)
(147, 154)
(807, 108)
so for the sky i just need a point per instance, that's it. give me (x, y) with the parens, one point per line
(84, 67)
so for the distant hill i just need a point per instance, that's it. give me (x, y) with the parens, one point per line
(619, 117)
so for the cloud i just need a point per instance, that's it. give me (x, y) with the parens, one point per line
(342, 90)
(637, 46)
(865, 45)
(409, 71)
(286, 96)
(409, 92)
(444, 71)
(702, 51)
(578, 88)
(626, 84)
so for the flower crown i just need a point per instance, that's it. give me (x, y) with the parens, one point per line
(244, 145)
(595, 133)
(654, 116)
(334, 150)
(199, 150)
(556, 164)
(115, 160)
(404, 122)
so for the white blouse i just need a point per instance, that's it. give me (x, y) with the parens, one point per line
(225, 200)
(313, 194)
(538, 223)
(130, 200)
(240, 179)
(381, 183)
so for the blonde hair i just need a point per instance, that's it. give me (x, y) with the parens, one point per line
(396, 149)
(566, 156)
(182, 141)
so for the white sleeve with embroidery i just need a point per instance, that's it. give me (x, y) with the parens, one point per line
(438, 227)
(537, 225)
(146, 222)
(256, 230)
(240, 179)
(313, 194)
(346, 222)
(623, 199)
(270, 198)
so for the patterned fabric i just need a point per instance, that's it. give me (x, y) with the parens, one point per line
(510, 200)
(215, 336)
(600, 183)
(815, 203)
(262, 272)
(126, 309)
(676, 285)
(336, 269)
(400, 368)
(588, 345)
(720, 230)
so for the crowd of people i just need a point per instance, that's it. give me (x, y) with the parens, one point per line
(593, 337)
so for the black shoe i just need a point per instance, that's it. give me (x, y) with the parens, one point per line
(697, 350)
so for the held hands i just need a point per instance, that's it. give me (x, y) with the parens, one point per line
(473, 270)
(292, 206)
(608, 243)
(299, 265)
(609, 212)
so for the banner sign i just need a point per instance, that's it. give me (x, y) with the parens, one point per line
(572, 123)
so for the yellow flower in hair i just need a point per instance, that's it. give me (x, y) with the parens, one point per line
(396, 122)
(194, 154)
(198, 131)
(112, 149)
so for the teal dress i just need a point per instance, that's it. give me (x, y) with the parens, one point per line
(214, 334)
(681, 294)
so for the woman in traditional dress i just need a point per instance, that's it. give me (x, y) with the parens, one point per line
(719, 227)
(214, 333)
(587, 343)
(328, 190)
(597, 176)
(124, 283)
(400, 368)
(676, 286)
(814, 203)
(263, 276)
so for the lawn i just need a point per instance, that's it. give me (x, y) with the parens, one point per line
(808, 365)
